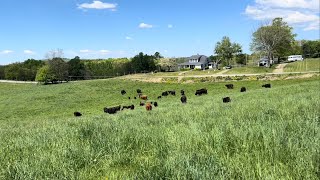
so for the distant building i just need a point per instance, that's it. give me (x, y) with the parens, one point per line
(196, 62)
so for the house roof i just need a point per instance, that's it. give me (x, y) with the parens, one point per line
(202, 59)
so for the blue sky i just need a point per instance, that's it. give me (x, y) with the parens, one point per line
(123, 28)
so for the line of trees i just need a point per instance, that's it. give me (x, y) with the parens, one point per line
(56, 69)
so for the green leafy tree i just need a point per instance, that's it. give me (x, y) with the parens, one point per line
(273, 40)
(143, 62)
(311, 48)
(241, 59)
(167, 64)
(58, 69)
(76, 68)
(157, 55)
(43, 75)
(2, 74)
(226, 50)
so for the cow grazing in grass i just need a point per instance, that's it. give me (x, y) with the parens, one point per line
(266, 85)
(159, 97)
(139, 91)
(142, 103)
(226, 99)
(199, 92)
(155, 104)
(148, 107)
(172, 92)
(182, 92)
(123, 92)
(77, 114)
(243, 89)
(165, 93)
(183, 99)
(134, 97)
(229, 86)
(129, 97)
(112, 110)
(128, 107)
(143, 97)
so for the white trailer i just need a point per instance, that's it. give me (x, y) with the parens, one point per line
(295, 58)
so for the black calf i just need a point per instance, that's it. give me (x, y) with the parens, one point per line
(123, 92)
(243, 89)
(165, 93)
(142, 103)
(77, 114)
(267, 85)
(128, 107)
(229, 86)
(201, 91)
(155, 104)
(139, 91)
(183, 99)
(226, 99)
(112, 110)
(159, 97)
(182, 92)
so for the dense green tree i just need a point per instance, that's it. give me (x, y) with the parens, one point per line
(157, 55)
(241, 59)
(143, 63)
(226, 50)
(274, 39)
(58, 69)
(2, 74)
(43, 75)
(167, 64)
(311, 48)
(76, 68)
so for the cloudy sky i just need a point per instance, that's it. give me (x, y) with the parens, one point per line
(123, 28)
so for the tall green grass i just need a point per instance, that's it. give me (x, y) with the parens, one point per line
(302, 66)
(262, 134)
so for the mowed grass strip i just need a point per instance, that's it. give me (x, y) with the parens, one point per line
(263, 133)
(302, 66)
(250, 70)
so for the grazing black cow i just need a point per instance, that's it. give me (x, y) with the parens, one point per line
(229, 86)
(165, 93)
(139, 91)
(243, 89)
(77, 114)
(142, 103)
(201, 91)
(159, 97)
(226, 99)
(267, 85)
(123, 92)
(134, 97)
(128, 107)
(183, 99)
(112, 110)
(172, 92)
(155, 104)
(182, 92)
(129, 97)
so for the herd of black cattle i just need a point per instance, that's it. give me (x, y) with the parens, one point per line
(149, 105)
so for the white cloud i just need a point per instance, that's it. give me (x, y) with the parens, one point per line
(28, 52)
(6, 52)
(145, 26)
(98, 5)
(128, 38)
(170, 26)
(299, 13)
(104, 51)
(85, 51)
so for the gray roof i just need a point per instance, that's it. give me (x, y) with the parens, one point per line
(201, 58)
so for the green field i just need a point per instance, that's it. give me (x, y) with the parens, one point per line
(250, 70)
(262, 134)
(302, 66)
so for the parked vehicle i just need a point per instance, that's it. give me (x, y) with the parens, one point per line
(295, 58)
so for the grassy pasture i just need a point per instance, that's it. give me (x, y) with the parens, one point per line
(301, 66)
(250, 70)
(263, 133)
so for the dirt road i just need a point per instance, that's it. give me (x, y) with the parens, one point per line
(279, 68)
